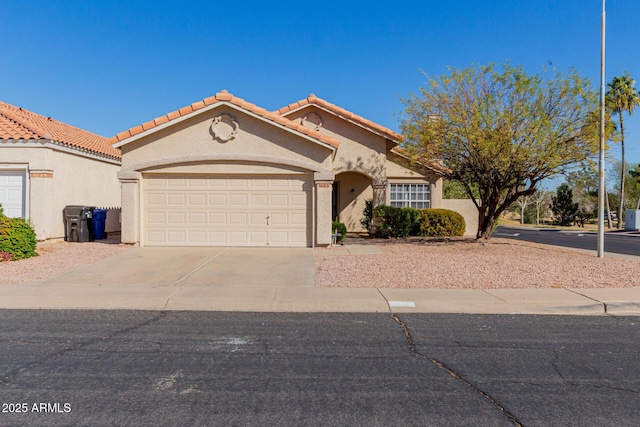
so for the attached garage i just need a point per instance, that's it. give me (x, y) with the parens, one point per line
(12, 193)
(229, 210)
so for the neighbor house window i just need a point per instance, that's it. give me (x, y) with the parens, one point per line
(410, 195)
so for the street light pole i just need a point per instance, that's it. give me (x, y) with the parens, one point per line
(601, 184)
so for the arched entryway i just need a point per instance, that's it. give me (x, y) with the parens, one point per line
(350, 192)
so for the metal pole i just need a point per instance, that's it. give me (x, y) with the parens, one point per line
(601, 183)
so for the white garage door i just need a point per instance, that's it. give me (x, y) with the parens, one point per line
(226, 211)
(12, 193)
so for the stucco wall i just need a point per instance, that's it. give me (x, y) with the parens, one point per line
(192, 141)
(360, 150)
(467, 209)
(190, 146)
(60, 178)
(353, 190)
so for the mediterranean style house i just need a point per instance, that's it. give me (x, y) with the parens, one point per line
(225, 172)
(46, 165)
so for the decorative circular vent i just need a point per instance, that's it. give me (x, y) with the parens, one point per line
(312, 121)
(224, 128)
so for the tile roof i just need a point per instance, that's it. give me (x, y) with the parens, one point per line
(224, 96)
(17, 123)
(348, 115)
(430, 164)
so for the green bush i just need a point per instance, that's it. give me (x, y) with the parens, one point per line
(441, 223)
(17, 238)
(340, 230)
(396, 222)
(367, 215)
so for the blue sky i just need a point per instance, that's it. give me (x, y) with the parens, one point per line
(110, 65)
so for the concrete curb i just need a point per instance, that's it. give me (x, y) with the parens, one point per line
(310, 299)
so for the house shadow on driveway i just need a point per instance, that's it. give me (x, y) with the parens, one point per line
(197, 267)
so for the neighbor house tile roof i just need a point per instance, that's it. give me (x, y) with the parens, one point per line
(339, 111)
(224, 96)
(18, 123)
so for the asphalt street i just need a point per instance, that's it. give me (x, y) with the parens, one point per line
(614, 242)
(194, 368)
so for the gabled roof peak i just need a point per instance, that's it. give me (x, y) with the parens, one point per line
(223, 96)
(312, 99)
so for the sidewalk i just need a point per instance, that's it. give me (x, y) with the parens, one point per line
(618, 301)
(251, 280)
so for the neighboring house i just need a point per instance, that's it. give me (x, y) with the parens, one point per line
(46, 165)
(224, 172)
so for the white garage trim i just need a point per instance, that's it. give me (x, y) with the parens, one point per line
(14, 191)
(231, 210)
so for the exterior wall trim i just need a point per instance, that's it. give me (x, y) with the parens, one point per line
(54, 145)
(209, 108)
(235, 158)
(339, 116)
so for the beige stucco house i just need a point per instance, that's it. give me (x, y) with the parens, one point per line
(225, 172)
(46, 165)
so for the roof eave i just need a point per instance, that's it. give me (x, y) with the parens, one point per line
(360, 125)
(177, 120)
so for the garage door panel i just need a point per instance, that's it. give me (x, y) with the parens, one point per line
(156, 199)
(298, 219)
(238, 218)
(217, 200)
(258, 218)
(176, 236)
(258, 238)
(279, 200)
(238, 200)
(177, 199)
(156, 218)
(197, 199)
(218, 218)
(280, 219)
(229, 211)
(298, 201)
(199, 218)
(197, 236)
(241, 237)
(177, 218)
(13, 193)
(259, 200)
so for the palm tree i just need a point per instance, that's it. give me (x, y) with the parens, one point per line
(620, 98)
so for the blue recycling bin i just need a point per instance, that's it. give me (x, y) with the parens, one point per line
(99, 219)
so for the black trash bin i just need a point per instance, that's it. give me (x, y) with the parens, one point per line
(77, 223)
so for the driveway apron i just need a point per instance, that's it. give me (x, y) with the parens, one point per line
(197, 267)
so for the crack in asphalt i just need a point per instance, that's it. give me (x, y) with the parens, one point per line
(78, 346)
(441, 365)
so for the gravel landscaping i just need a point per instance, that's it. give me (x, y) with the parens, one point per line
(469, 264)
(57, 257)
(412, 263)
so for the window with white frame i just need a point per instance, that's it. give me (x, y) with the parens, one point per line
(410, 195)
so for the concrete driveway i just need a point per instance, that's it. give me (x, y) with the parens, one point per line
(202, 267)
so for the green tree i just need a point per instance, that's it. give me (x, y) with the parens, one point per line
(621, 98)
(502, 130)
(584, 185)
(562, 205)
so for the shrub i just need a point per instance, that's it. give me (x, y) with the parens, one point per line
(396, 222)
(340, 230)
(367, 215)
(17, 238)
(441, 223)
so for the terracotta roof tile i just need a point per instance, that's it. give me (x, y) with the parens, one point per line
(314, 100)
(224, 96)
(17, 123)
